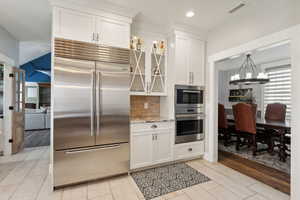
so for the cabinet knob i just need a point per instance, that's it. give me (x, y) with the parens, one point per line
(190, 149)
(154, 126)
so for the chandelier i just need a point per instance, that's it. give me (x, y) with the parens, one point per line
(248, 74)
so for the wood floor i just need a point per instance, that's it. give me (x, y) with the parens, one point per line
(270, 176)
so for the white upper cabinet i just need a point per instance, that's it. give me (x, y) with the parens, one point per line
(113, 33)
(149, 67)
(189, 60)
(196, 64)
(74, 25)
(181, 56)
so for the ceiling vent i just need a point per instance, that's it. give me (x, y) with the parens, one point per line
(236, 8)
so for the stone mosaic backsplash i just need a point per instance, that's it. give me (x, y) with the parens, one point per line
(138, 110)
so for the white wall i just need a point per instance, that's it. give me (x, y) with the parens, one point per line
(9, 46)
(246, 25)
(295, 178)
(224, 87)
(30, 50)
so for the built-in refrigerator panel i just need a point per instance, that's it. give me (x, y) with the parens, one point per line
(73, 93)
(113, 108)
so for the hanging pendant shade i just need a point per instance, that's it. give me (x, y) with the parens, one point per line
(248, 74)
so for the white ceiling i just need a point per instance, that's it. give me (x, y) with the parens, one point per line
(26, 19)
(31, 19)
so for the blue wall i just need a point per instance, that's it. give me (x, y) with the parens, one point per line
(33, 68)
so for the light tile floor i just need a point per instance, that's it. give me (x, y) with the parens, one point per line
(25, 177)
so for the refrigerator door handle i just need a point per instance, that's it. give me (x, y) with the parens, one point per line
(93, 105)
(98, 114)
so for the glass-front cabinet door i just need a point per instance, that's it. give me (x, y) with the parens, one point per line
(158, 75)
(137, 72)
(148, 77)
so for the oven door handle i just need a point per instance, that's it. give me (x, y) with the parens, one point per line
(192, 91)
(189, 117)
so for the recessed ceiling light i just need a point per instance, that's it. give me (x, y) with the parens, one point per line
(190, 14)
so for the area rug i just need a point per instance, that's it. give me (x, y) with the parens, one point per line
(37, 138)
(162, 180)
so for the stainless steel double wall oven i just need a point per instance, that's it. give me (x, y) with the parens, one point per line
(189, 113)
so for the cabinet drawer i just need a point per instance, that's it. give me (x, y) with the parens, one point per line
(189, 150)
(138, 127)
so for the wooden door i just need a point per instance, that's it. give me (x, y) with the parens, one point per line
(196, 67)
(182, 62)
(141, 150)
(17, 109)
(113, 33)
(162, 148)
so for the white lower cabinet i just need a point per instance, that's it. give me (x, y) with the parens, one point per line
(151, 144)
(188, 150)
(162, 145)
(141, 150)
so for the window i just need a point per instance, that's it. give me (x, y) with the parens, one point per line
(278, 90)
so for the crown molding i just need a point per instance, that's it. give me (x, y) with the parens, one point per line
(102, 9)
(183, 30)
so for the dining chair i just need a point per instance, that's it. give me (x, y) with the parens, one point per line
(223, 126)
(245, 125)
(276, 112)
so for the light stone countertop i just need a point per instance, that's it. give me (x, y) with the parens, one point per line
(150, 120)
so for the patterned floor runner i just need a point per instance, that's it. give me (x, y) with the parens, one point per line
(162, 180)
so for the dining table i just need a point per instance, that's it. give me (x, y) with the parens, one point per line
(282, 129)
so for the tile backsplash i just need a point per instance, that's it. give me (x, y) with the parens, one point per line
(138, 109)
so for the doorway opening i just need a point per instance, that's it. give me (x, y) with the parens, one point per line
(258, 146)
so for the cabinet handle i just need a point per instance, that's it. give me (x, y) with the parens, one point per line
(152, 137)
(190, 149)
(155, 137)
(154, 126)
(192, 77)
(93, 37)
(98, 37)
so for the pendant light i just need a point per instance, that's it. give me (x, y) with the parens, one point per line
(248, 74)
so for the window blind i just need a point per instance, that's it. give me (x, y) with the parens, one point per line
(278, 90)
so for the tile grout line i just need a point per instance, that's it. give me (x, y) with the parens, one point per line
(229, 189)
(19, 185)
(45, 178)
(19, 164)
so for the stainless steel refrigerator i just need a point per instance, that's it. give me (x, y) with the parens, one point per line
(91, 116)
